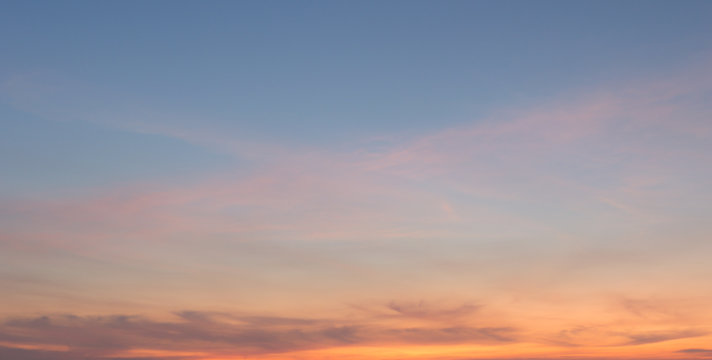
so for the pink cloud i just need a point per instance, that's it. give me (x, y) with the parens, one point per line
(518, 157)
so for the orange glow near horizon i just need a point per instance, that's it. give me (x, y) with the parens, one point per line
(388, 352)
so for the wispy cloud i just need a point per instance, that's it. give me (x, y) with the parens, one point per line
(654, 337)
(224, 333)
(696, 352)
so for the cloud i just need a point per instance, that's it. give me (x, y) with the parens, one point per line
(422, 310)
(609, 334)
(225, 333)
(619, 151)
(12, 353)
(655, 337)
(28, 354)
(695, 351)
(453, 335)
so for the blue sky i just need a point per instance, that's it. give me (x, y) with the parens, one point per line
(308, 72)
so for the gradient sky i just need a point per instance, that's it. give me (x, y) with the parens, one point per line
(359, 180)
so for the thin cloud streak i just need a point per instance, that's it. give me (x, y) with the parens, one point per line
(478, 161)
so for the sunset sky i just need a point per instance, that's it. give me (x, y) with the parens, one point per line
(357, 180)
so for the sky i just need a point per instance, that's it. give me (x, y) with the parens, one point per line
(357, 180)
